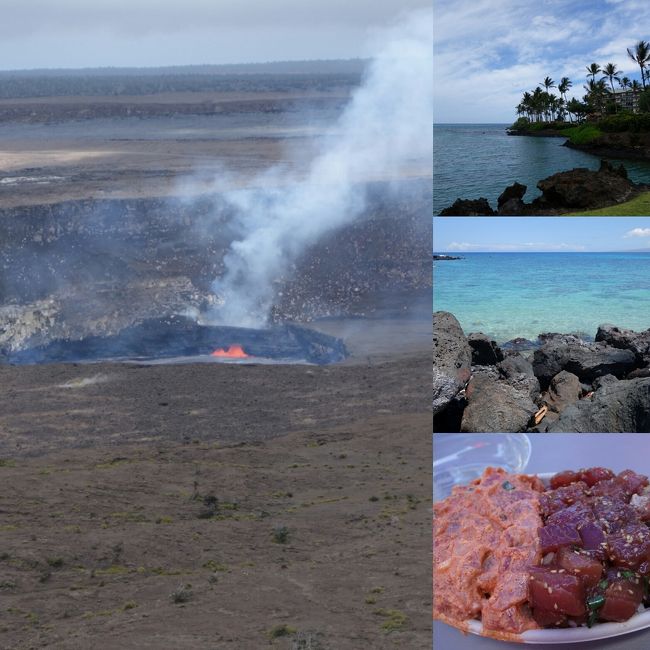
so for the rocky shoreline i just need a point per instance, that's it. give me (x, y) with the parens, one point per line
(559, 383)
(626, 145)
(570, 191)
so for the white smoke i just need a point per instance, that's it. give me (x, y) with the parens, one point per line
(384, 130)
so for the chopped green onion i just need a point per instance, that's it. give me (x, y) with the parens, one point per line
(603, 584)
(595, 602)
(507, 485)
(628, 574)
(592, 619)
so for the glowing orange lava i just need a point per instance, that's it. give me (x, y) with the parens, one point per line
(234, 351)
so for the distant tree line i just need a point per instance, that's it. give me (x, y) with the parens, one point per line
(541, 105)
(55, 83)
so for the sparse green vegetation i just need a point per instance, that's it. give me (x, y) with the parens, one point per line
(215, 566)
(281, 630)
(395, 620)
(636, 207)
(181, 594)
(113, 570)
(280, 534)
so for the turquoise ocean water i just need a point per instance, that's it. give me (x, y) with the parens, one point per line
(506, 295)
(474, 160)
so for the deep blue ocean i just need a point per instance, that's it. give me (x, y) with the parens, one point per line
(506, 295)
(481, 160)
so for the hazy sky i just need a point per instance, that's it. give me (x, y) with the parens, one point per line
(89, 33)
(488, 52)
(540, 234)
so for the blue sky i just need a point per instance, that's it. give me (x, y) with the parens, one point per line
(540, 234)
(487, 53)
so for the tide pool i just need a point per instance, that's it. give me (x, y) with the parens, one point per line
(506, 295)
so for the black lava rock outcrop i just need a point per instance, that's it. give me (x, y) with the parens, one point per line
(485, 351)
(469, 208)
(452, 360)
(560, 383)
(575, 189)
(585, 360)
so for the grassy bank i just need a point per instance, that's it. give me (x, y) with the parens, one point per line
(583, 134)
(637, 207)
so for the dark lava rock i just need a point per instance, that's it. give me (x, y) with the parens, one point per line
(468, 208)
(518, 372)
(585, 360)
(616, 407)
(520, 345)
(495, 407)
(514, 191)
(513, 207)
(619, 337)
(556, 337)
(565, 389)
(485, 351)
(452, 359)
(582, 188)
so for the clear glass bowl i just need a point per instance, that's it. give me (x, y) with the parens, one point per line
(461, 457)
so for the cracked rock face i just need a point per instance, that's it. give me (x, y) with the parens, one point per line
(586, 361)
(452, 360)
(617, 406)
(495, 407)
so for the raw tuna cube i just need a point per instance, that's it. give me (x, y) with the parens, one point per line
(630, 546)
(594, 475)
(564, 478)
(559, 592)
(613, 513)
(580, 565)
(548, 617)
(622, 598)
(554, 536)
(574, 515)
(632, 481)
(559, 499)
(593, 539)
(610, 488)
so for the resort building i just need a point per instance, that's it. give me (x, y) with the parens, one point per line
(627, 99)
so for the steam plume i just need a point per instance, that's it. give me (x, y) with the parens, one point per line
(382, 132)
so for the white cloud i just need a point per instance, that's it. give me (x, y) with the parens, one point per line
(487, 53)
(540, 247)
(637, 232)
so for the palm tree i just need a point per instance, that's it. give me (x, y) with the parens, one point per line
(548, 83)
(610, 72)
(563, 88)
(624, 82)
(595, 93)
(640, 54)
(593, 70)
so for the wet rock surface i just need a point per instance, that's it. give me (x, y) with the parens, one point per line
(569, 383)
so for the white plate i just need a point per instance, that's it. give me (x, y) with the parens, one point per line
(575, 634)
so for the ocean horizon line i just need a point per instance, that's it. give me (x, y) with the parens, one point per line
(565, 252)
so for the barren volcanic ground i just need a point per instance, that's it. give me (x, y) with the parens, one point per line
(205, 505)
